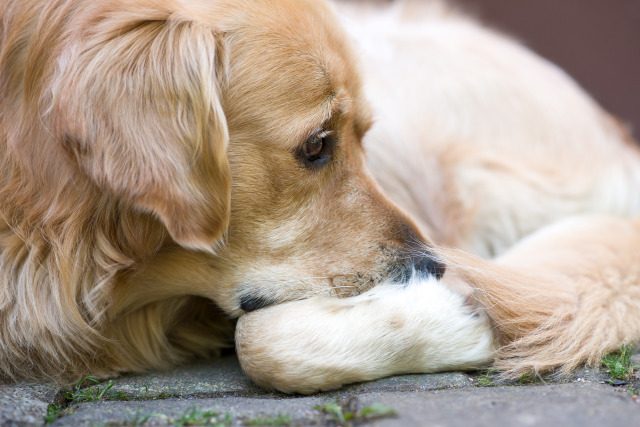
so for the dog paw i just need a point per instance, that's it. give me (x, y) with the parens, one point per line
(322, 343)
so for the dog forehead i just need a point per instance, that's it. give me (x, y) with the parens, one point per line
(289, 67)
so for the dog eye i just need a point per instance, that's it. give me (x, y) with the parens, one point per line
(317, 151)
(314, 146)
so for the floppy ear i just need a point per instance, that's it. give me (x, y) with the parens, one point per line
(136, 104)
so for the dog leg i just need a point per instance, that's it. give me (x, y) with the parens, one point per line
(563, 297)
(322, 343)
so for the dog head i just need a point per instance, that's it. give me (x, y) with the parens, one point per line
(239, 126)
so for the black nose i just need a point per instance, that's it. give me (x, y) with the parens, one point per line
(250, 302)
(422, 263)
(416, 258)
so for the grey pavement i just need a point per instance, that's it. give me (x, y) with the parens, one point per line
(218, 393)
(24, 403)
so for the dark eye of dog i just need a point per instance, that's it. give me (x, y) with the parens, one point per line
(313, 147)
(317, 150)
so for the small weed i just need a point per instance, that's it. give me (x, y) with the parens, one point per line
(335, 412)
(622, 372)
(146, 390)
(195, 417)
(67, 397)
(162, 396)
(619, 364)
(528, 378)
(376, 410)
(140, 418)
(280, 420)
(486, 380)
(55, 411)
(93, 393)
(347, 413)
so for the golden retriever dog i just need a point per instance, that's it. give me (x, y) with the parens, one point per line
(170, 165)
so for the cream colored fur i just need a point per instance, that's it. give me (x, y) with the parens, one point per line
(494, 142)
(322, 343)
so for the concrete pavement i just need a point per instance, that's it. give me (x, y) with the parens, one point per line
(217, 393)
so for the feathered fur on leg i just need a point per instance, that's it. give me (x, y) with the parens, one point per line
(563, 297)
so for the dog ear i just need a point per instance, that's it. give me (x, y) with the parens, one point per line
(136, 103)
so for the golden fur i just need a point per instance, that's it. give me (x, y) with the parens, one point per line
(153, 188)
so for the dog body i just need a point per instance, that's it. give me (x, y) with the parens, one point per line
(494, 142)
(158, 157)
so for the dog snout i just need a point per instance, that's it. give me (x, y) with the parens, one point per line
(416, 258)
(420, 263)
(252, 302)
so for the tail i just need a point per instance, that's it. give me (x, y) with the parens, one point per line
(563, 297)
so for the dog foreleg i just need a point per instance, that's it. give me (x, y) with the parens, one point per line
(322, 343)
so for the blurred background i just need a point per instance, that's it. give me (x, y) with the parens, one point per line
(595, 41)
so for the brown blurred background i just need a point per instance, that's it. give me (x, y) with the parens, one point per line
(596, 41)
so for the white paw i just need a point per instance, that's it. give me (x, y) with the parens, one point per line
(322, 343)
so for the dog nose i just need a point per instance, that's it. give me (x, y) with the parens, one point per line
(418, 260)
(421, 263)
(251, 302)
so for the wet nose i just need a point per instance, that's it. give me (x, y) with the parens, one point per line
(421, 263)
(417, 259)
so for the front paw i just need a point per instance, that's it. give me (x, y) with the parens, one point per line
(322, 343)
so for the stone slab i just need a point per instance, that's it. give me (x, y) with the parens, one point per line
(213, 378)
(24, 404)
(168, 411)
(223, 377)
(420, 382)
(568, 405)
